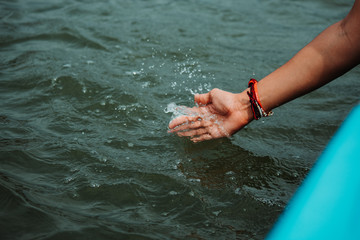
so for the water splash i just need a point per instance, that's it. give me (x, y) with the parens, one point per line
(189, 75)
(178, 111)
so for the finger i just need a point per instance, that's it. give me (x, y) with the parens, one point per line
(185, 127)
(202, 138)
(194, 132)
(181, 120)
(202, 99)
(199, 123)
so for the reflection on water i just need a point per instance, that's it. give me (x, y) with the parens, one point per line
(88, 89)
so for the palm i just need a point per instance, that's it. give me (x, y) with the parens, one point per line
(217, 119)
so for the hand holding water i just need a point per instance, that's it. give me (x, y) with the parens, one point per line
(219, 114)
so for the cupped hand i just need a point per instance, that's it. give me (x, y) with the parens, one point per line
(219, 114)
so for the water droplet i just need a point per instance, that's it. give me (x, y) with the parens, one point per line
(68, 65)
(238, 191)
(68, 179)
(216, 213)
(94, 185)
(194, 180)
(173, 193)
(145, 84)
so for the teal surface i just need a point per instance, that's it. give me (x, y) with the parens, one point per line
(327, 206)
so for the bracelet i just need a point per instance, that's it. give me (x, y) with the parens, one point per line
(256, 106)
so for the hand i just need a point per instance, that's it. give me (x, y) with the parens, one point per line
(220, 114)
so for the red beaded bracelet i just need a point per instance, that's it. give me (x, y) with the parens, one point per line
(256, 106)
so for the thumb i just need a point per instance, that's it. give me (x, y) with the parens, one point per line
(202, 99)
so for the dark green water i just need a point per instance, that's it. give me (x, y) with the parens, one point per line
(84, 148)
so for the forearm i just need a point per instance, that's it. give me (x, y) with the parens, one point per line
(331, 54)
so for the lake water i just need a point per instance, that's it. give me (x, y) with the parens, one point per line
(85, 85)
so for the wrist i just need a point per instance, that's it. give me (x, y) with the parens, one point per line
(256, 106)
(245, 101)
(243, 109)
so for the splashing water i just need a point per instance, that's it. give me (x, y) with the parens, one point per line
(178, 111)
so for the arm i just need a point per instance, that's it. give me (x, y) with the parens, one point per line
(332, 53)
